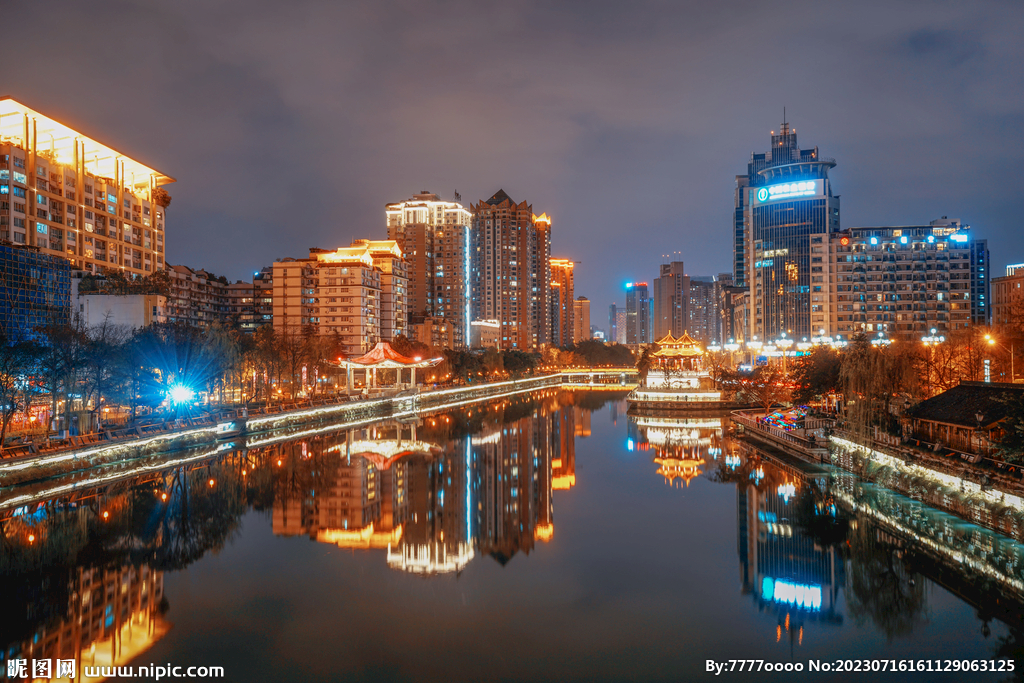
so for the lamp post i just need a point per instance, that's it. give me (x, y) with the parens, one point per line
(992, 342)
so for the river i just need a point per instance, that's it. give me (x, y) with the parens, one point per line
(543, 538)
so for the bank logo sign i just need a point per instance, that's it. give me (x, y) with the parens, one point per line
(803, 188)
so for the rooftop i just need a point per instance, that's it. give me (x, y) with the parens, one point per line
(962, 404)
(58, 140)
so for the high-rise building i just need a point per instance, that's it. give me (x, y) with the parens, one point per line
(71, 196)
(613, 324)
(562, 320)
(1008, 297)
(510, 251)
(620, 326)
(35, 291)
(581, 319)
(638, 307)
(670, 299)
(434, 237)
(788, 212)
(354, 293)
(701, 309)
(902, 281)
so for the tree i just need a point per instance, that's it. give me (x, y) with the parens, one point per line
(16, 361)
(816, 374)
(767, 387)
(643, 365)
(1011, 443)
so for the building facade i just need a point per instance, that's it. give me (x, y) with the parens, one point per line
(342, 293)
(434, 237)
(197, 298)
(788, 209)
(35, 291)
(580, 319)
(562, 307)
(510, 253)
(638, 308)
(702, 309)
(670, 299)
(71, 196)
(1008, 297)
(901, 281)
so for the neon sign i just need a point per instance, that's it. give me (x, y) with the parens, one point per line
(803, 188)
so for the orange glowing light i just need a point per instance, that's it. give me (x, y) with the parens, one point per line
(211, 482)
(31, 538)
(106, 514)
(844, 241)
(163, 496)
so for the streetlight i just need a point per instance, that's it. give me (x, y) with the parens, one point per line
(992, 342)
(784, 344)
(881, 340)
(931, 342)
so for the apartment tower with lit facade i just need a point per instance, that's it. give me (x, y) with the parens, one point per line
(788, 212)
(903, 281)
(434, 236)
(355, 293)
(69, 195)
(510, 253)
(562, 307)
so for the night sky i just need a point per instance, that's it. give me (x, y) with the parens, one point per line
(290, 125)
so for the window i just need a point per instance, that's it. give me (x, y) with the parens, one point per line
(41, 228)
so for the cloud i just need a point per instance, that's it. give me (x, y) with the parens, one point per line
(291, 126)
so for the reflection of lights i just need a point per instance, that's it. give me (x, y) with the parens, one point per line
(733, 461)
(786, 491)
(106, 515)
(630, 445)
(31, 538)
(798, 594)
(757, 475)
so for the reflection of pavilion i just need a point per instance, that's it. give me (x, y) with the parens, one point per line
(681, 445)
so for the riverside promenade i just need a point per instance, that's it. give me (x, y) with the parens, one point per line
(257, 427)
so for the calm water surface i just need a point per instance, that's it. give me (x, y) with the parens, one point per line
(546, 538)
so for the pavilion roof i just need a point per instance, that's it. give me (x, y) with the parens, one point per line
(679, 347)
(383, 356)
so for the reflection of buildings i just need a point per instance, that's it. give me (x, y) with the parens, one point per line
(784, 569)
(513, 486)
(432, 507)
(114, 616)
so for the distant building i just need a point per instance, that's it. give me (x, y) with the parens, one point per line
(197, 297)
(701, 309)
(263, 292)
(73, 197)
(671, 300)
(434, 237)
(581, 320)
(638, 307)
(562, 306)
(35, 291)
(130, 311)
(485, 334)
(613, 324)
(434, 332)
(510, 251)
(1008, 297)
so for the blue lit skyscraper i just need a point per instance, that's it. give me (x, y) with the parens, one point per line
(638, 313)
(785, 211)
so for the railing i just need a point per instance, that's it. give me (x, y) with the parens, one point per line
(811, 445)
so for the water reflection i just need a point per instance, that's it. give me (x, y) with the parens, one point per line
(819, 553)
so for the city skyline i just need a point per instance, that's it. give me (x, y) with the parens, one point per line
(665, 145)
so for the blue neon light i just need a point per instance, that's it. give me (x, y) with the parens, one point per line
(874, 240)
(958, 238)
(804, 188)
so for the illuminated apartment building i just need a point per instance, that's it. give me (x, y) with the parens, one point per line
(434, 237)
(1008, 297)
(562, 307)
(581, 319)
(901, 281)
(71, 196)
(356, 293)
(510, 252)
